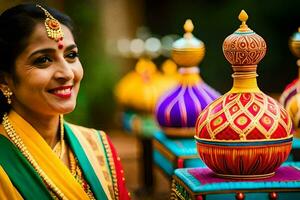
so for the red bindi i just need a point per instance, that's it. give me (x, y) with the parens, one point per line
(60, 43)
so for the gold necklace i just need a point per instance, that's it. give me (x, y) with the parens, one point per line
(59, 148)
(15, 138)
(77, 174)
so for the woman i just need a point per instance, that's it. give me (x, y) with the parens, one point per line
(41, 156)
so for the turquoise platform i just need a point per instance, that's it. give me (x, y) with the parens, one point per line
(295, 153)
(202, 183)
(142, 125)
(172, 153)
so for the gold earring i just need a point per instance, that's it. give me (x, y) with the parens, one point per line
(7, 93)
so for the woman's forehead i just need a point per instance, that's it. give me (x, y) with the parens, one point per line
(39, 38)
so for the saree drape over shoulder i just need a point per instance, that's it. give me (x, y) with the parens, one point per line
(96, 157)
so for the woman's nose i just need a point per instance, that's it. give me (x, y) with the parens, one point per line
(64, 71)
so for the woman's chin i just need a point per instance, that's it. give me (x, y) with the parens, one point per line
(67, 112)
(67, 109)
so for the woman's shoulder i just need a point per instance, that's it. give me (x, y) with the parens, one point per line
(88, 134)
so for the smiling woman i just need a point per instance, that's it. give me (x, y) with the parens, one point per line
(47, 77)
(42, 156)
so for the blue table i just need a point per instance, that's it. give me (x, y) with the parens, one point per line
(295, 153)
(172, 153)
(142, 125)
(202, 183)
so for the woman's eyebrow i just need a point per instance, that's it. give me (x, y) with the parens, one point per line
(72, 46)
(47, 50)
(51, 50)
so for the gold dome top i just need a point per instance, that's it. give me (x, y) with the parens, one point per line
(244, 46)
(243, 17)
(294, 43)
(188, 51)
(140, 89)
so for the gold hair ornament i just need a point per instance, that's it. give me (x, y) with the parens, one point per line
(53, 28)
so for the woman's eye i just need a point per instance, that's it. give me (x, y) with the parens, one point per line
(72, 55)
(42, 60)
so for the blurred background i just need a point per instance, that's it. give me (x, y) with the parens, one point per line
(103, 24)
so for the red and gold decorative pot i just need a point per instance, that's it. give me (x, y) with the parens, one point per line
(244, 134)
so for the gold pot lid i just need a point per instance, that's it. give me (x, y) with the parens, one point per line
(294, 43)
(188, 42)
(243, 17)
(188, 51)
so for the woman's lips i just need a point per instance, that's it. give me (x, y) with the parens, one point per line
(64, 92)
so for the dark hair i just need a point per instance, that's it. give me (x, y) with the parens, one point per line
(16, 26)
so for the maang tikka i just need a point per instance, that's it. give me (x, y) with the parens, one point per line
(53, 28)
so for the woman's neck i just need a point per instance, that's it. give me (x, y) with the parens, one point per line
(46, 126)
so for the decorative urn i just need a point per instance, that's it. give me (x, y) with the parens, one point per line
(137, 93)
(244, 134)
(290, 98)
(177, 110)
(139, 89)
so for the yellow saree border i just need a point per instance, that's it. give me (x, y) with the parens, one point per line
(46, 158)
(7, 190)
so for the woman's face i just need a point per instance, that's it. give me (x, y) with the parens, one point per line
(47, 78)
